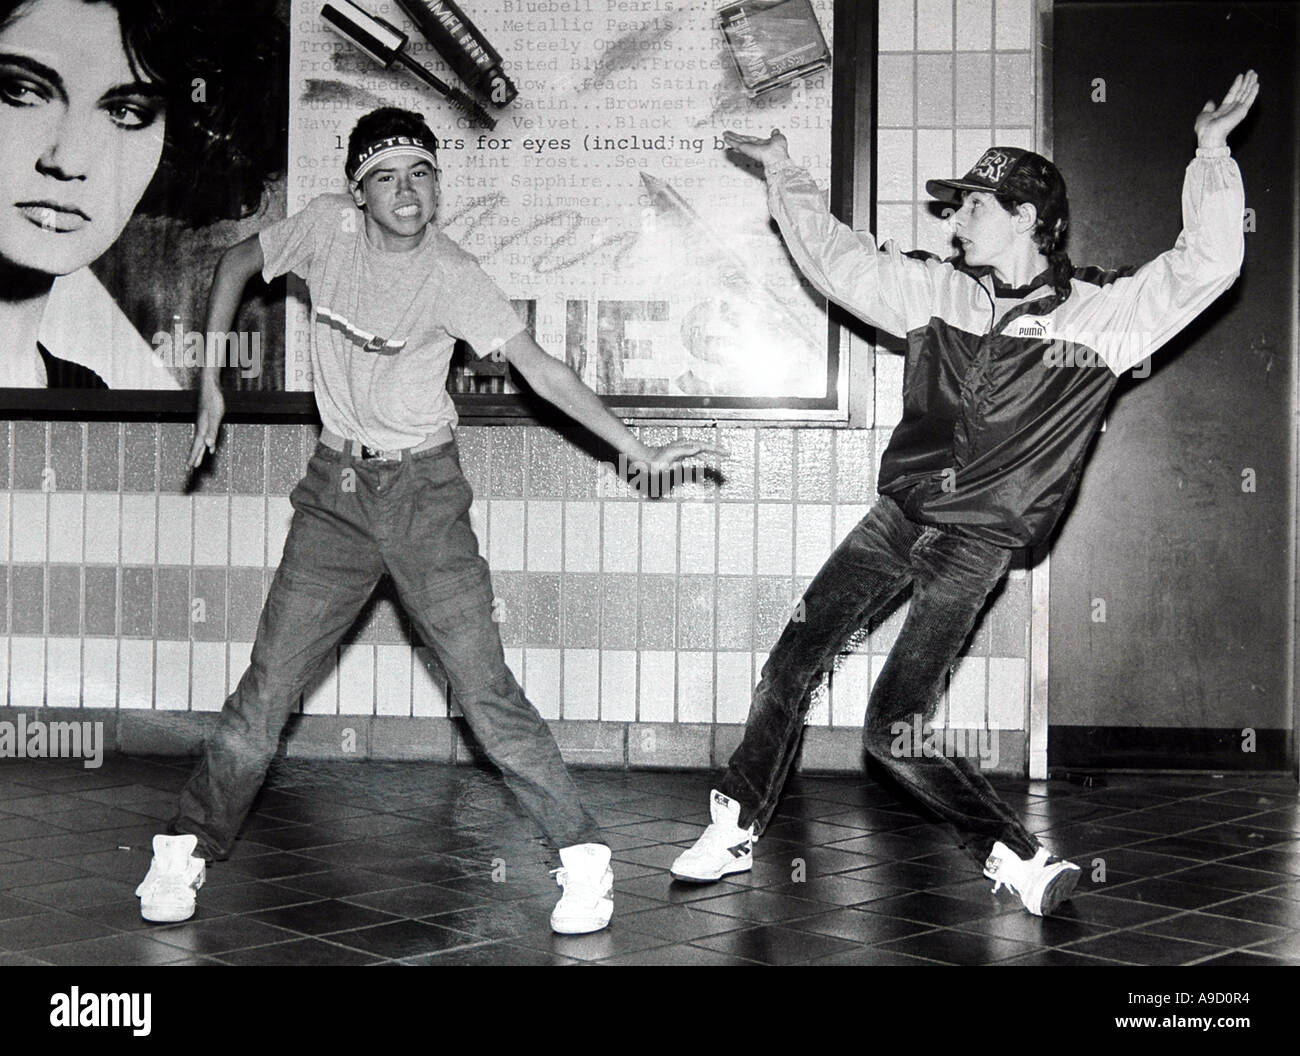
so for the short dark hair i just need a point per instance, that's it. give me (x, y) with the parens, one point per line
(382, 123)
(223, 147)
(1039, 183)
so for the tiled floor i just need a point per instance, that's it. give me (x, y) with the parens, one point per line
(367, 863)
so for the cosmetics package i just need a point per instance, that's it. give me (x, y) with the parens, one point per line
(463, 46)
(387, 46)
(773, 42)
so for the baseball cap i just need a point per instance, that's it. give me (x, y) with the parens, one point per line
(1018, 174)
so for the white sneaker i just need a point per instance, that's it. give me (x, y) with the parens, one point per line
(167, 892)
(1042, 882)
(723, 848)
(588, 885)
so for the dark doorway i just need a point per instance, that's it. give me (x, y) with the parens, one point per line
(1172, 579)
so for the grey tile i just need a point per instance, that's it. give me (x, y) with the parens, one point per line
(140, 457)
(103, 456)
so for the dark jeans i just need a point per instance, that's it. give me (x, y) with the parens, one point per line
(951, 576)
(353, 521)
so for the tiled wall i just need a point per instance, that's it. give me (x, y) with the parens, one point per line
(124, 591)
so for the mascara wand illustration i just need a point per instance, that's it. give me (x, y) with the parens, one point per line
(387, 46)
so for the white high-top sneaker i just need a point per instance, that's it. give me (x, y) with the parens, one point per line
(588, 885)
(1042, 882)
(167, 892)
(723, 848)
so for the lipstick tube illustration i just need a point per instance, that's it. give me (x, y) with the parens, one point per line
(387, 46)
(464, 47)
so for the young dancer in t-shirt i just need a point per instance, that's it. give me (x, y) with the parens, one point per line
(384, 493)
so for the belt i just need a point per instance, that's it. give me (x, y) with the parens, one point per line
(355, 448)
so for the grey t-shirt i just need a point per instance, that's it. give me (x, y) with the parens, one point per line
(384, 323)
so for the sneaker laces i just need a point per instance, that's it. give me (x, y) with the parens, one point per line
(572, 884)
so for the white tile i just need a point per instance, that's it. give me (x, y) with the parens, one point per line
(4, 525)
(140, 539)
(357, 680)
(620, 536)
(208, 676)
(99, 673)
(775, 551)
(813, 530)
(211, 529)
(851, 690)
(514, 656)
(30, 512)
(582, 537)
(933, 158)
(27, 672)
(1014, 24)
(933, 25)
(322, 698)
(1007, 693)
(172, 665)
(894, 168)
(659, 537)
(393, 680)
(895, 25)
(657, 682)
(617, 685)
(67, 512)
(506, 521)
(427, 696)
(581, 684)
(894, 223)
(545, 536)
(175, 529)
(736, 538)
(135, 675)
(248, 531)
(542, 674)
(699, 537)
(478, 522)
(694, 687)
(103, 528)
(1016, 137)
(63, 672)
(966, 692)
(970, 144)
(279, 515)
(240, 657)
(735, 686)
(974, 25)
(889, 391)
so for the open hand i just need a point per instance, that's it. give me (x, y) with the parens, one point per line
(665, 458)
(767, 151)
(1214, 123)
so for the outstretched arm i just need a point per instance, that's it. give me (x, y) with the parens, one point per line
(1135, 316)
(881, 286)
(556, 382)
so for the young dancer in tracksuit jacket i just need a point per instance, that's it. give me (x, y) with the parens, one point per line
(1012, 355)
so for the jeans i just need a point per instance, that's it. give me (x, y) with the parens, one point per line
(951, 576)
(355, 520)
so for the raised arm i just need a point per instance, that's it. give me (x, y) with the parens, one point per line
(235, 267)
(881, 286)
(1136, 315)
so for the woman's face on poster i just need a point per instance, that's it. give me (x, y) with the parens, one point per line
(81, 135)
